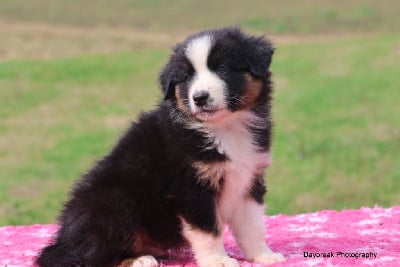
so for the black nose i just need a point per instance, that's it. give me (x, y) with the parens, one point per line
(200, 98)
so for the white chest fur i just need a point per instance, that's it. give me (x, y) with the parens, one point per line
(245, 162)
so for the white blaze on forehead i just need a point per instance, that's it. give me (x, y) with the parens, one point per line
(197, 51)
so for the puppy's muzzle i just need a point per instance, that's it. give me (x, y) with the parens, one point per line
(200, 98)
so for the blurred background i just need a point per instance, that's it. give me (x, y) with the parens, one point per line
(74, 74)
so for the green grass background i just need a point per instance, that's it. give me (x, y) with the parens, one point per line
(336, 109)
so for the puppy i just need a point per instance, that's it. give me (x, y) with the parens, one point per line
(183, 170)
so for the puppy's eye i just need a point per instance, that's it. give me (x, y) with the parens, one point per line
(222, 69)
(183, 77)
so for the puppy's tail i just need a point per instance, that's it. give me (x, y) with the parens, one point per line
(57, 256)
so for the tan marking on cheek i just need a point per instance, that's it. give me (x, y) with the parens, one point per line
(210, 172)
(252, 90)
(179, 100)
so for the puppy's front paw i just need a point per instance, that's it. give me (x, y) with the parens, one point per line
(219, 260)
(269, 258)
(143, 261)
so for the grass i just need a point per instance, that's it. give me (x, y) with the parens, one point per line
(66, 113)
(71, 81)
(337, 128)
(283, 16)
(336, 136)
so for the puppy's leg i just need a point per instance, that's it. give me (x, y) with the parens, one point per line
(248, 227)
(142, 261)
(208, 247)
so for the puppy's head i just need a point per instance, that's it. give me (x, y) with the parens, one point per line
(215, 73)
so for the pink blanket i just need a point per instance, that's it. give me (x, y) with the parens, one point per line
(365, 237)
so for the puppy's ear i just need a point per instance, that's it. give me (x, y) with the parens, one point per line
(259, 55)
(166, 81)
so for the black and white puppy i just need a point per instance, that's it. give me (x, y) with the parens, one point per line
(183, 170)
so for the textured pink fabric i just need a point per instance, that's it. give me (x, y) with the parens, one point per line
(356, 233)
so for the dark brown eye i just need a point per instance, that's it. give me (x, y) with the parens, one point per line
(222, 69)
(182, 77)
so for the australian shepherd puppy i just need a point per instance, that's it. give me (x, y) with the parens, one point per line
(183, 170)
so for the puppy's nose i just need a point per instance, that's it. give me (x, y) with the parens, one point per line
(200, 98)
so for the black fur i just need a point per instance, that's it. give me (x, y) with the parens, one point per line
(258, 189)
(147, 181)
